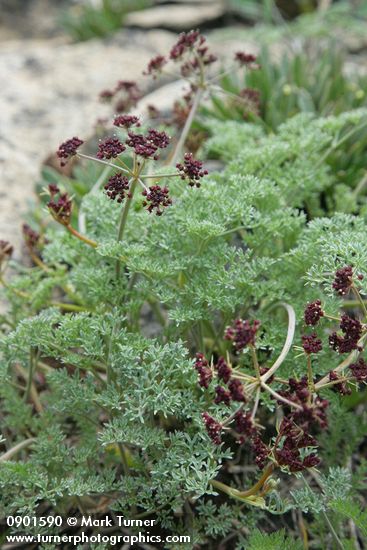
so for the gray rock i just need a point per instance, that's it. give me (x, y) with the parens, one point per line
(50, 93)
(176, 17)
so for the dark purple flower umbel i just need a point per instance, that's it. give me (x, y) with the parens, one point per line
(311, 343)
(68, 149)
(159, 139)
(213, 428)
(31, 237)
(156, 198)
(117, 187)
(109, 148)
(242, 333)
(341, 387)
(359, 370)
(244, 424)
(60, 205)
(236, 389)
(247, 59)
(223, 369)
(191, 170)
(142, 146)
(313, 313)
(186, 42)
(222, 396)
(343, 280)
(6, 250)
(155, 66)
(126, 121)
(261, 451)
(352, 330)
(201, 365)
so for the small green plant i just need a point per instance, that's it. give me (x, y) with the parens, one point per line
(313, 81)
(186, 353)
(90, 20)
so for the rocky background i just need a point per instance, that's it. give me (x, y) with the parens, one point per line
(50, 84)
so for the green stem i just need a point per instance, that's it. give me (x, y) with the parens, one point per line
(360, 301)
(250, 492)
(187, 127)
(110, 164)
(123, 220)
(22, 445)
(255, 361)
(311, 385)
(32, 366)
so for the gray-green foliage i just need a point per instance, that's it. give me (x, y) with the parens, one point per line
(234, 247)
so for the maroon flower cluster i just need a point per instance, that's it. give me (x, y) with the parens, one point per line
(156, 197)
(244, 424)
(246, 59)
(109, 148)
(147, 146)
(343, 280)
(127, 93)
(242, 333)
(68, 149)
(295, 439)
(213, 428)
(222, 396)
(60, 205)
(6, 250)
(201, 365)
(126, 121)
(341, 387)
(159, 139)
(359, 370)
(312, 413)
(31, 237)
(191, 170)
(224, 371)
(313, 313)
(311, 343)
(155, 66)
(251, 98)
(236, 390)
(261, 451)
(191, 44)
(352, 330)
(117, 187)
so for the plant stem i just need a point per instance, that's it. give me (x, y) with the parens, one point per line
(311, 385)
(280, 397)
(32, 366)
(69, 307)
(250, 492)
(333, 532)
(256, 404)
(14, 450)
(123, 220)
(255, 361)
(157, 176)
(110, 164)
(331, 317)
(81, 218)
(351, 357)
(359, 299)
(187, 127)
(82, 238)
(287, 344)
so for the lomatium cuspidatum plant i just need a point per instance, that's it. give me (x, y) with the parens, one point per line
(186, 347)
